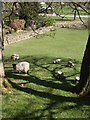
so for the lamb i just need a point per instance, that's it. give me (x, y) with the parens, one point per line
(60, 75)
(57, 61)
(15, 57)
(77, 79)
(70, 64)
(21, 67)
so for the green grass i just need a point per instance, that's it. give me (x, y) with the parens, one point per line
(65, 18)
(60, 43)
(66, 10)
(43, 95)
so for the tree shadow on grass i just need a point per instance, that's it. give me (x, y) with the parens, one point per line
(63, 85)
(54, 98)
(44, 94)
(44, 63)
(50, 106)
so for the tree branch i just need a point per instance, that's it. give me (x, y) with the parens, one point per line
(83, 7)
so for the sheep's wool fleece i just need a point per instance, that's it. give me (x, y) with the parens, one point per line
(22, 65)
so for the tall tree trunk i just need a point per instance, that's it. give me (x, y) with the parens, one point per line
(84, 85)
(4, 84)
(2, 74)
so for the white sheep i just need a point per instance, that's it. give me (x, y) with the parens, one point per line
(60, 75)
(15, 57)
(77, 79)
(21, 67)
(57, 61)
(70, 64)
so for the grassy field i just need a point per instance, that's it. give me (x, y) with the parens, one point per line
(60, 43)
(40, 95)
(68, 11)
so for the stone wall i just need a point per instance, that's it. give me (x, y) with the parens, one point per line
(26, 34)
(73, 24)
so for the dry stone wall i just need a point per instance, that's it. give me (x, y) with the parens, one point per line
(23, 35)
(73, 24)
(26, 34)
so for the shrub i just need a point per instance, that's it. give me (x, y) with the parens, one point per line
(48, 21)
(44, 21)
(17, 24)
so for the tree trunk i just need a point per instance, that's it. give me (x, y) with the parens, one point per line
(75, 12)
(1, 64)
(83, 87)
(2, 74)
(4, 84)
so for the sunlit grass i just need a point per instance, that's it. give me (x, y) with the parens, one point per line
(40, 95)
(63, 43)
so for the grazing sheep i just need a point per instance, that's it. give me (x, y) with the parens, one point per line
(56, 61)
(70, 64)
(15, 57)
(77, 79)
(21, 67)
(60, 75)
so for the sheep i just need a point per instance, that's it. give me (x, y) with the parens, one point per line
(77, 79)
(60, 75)
(57, 61)
(70, 64)
(21, 67)
(15, 57)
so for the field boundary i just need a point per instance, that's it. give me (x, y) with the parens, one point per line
(27, 34)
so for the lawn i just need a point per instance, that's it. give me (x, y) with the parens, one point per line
(40, 95)
(60, 43)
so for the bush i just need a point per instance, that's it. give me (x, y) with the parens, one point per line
(49, 21)
(44, 21)
(17, 24)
